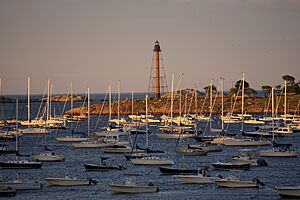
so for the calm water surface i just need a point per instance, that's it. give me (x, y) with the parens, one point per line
(280, 172)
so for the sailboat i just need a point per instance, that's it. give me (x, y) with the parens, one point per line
(245, 141)
(19, 164)
(73, 137)
(48, 156)
(40, 122)
(171, 132)
(150, 159)
(277, 152)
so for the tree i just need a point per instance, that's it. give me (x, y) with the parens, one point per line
(291, 86)
(267, 89)
(207, 89)
(238, 84)
(277, 89)
(290, 80)
(237, 90)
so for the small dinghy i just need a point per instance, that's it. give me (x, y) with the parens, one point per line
(132, 187)
(288, 191)
(68, 181)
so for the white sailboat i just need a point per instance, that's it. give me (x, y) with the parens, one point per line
(19, 164)
(73, 137)
(31, 130)
(245, 141)
(276, 152)
(48, 156)
(150, 159)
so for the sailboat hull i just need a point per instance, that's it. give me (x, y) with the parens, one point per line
(20, 165)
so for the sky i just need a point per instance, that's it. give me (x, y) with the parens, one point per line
(94, 42)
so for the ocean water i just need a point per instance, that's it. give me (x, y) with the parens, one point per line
(280, 172)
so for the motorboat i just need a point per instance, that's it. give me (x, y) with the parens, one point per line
(68, 181)
(152, 160)
(200, 178)
(102, 166)
(20, 185)
(278, 152)
(132, 187)
(285, 131)
(48, 157)
(249, 156)
(207, 146)
(231, 165)
(235, 182)
(185, 151)
(291, 191)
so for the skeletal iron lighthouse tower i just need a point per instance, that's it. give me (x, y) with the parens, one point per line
(157, 81)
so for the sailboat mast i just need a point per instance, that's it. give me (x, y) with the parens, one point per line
(48, 101)
(118, 101)
(28, 100)
(147, 140)
(71, 104)
(210, 106)
(172, 91)
(273, 114)
(17, 118)
(284, 103)
(243, 94)
(180, 113)
(196, 103)
(222, 99)
(88, 90)
(109, 95)
(132, 105)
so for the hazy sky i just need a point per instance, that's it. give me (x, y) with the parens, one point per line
(92, 42)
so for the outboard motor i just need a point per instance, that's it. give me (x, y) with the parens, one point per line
(258, 182)
(262, 162)
(92, 181)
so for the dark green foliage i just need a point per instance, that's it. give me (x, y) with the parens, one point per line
(267, 89)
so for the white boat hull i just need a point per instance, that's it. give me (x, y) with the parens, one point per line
(174, 135)
(288, 191)
(20, 185)
(246, 143)
(71, 139)
(196, 179)
(236, 183)
(33, 131)
(151, 161)
(48, 158)
(66, 182)
(133, 189)
(278, 153)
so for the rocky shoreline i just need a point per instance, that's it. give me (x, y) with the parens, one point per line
(252, 105)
